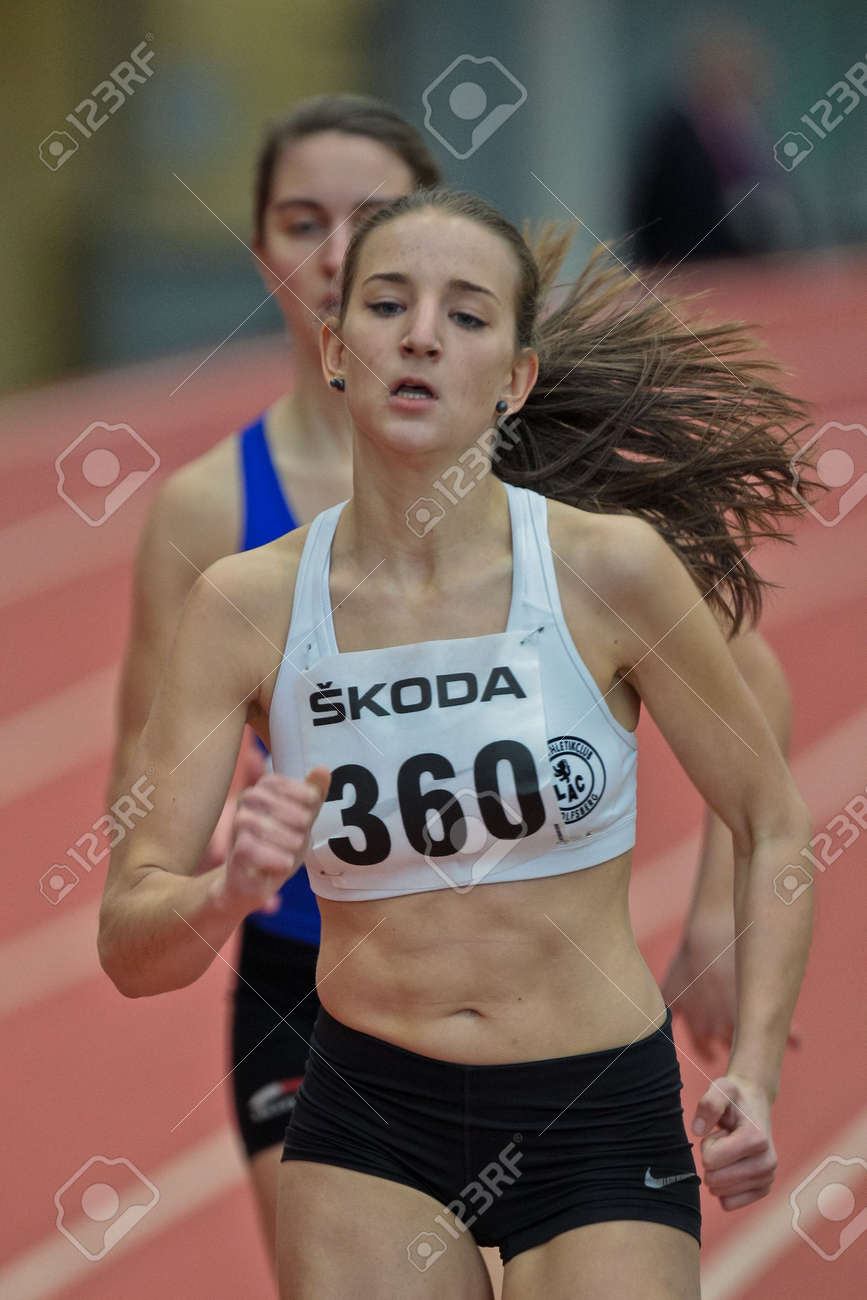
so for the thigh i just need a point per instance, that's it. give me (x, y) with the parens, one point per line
(264, 1170)
(494, 1265)
(627, 1259)
(342, 1234)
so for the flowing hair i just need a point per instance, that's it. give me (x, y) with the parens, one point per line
(635, 411)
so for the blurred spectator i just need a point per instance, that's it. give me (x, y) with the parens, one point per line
(705, 150)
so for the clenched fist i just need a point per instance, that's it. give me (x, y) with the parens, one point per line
(270, 834)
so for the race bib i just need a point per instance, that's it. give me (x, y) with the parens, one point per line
(439, 761)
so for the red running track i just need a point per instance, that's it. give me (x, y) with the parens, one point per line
(90, 1074)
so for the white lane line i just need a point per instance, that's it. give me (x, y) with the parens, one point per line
(55, 546)
(37, 424)
(828, 774)
(59, 733)
(50, 958)
(185, 1183)
(738, 1263)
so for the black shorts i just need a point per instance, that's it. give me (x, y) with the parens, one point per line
(518, 1153)
(277, 978)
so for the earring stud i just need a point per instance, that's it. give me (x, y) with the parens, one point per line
(338, 383)
(502, 406)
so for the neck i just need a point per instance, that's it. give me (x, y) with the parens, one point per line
(312, 419)
(388, 499)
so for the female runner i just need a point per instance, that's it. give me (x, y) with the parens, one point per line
(335, 158)
(457, 1023)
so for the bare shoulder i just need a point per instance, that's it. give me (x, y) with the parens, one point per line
(242, 605)
(198, 508)
(615, 554)
(259, 583)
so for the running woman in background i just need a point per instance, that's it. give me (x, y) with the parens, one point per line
(461, 1015)
(320, 171)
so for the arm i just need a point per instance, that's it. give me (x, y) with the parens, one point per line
(193, 522)
(716, 729)
(700, 981)
(162, 580)
(161, 926)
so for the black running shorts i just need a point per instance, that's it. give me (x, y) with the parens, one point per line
(277, 978)
(518, 1153)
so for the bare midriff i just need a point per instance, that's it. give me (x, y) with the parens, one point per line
(513, 971)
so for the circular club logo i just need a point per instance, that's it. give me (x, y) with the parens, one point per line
(579, 776)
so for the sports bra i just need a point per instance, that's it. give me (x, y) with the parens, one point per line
(454, 762)
(267, 515)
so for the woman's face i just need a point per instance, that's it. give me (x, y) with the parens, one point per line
(321, 187)
(432, 301)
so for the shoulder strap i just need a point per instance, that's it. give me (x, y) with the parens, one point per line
(310, 628)
(266, 511)
(531, 606)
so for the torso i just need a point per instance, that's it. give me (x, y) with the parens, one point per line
(485, 976)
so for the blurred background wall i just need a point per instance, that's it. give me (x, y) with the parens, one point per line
(119, 249)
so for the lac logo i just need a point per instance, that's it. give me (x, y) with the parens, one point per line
(579, 776)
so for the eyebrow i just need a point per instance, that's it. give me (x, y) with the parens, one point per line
(281, 204)
(397, 277)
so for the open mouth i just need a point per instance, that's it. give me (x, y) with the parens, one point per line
(413, 390)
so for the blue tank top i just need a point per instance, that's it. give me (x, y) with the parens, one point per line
(267, 516)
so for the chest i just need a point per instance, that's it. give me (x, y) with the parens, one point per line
(375, 612)
(372, 612)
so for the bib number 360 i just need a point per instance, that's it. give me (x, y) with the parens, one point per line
(415, 804)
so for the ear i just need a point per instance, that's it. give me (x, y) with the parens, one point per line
(525, 372)
(331, 349)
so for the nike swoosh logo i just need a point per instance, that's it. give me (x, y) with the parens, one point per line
(650, 1181)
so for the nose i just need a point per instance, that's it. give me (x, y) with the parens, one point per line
(421, 337)
(333, 249)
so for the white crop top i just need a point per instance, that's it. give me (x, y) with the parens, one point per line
(454, 763)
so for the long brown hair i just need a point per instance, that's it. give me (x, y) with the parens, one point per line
(636, 411)
(352, 115)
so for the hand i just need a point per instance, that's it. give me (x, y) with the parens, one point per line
(251, 766)
(700, 985)
(270, 834)
(738, 1151)
(702, 989)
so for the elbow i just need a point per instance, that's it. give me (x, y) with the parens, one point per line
(128, 971)
(111, 961)
(786, 822)
(114, 954)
